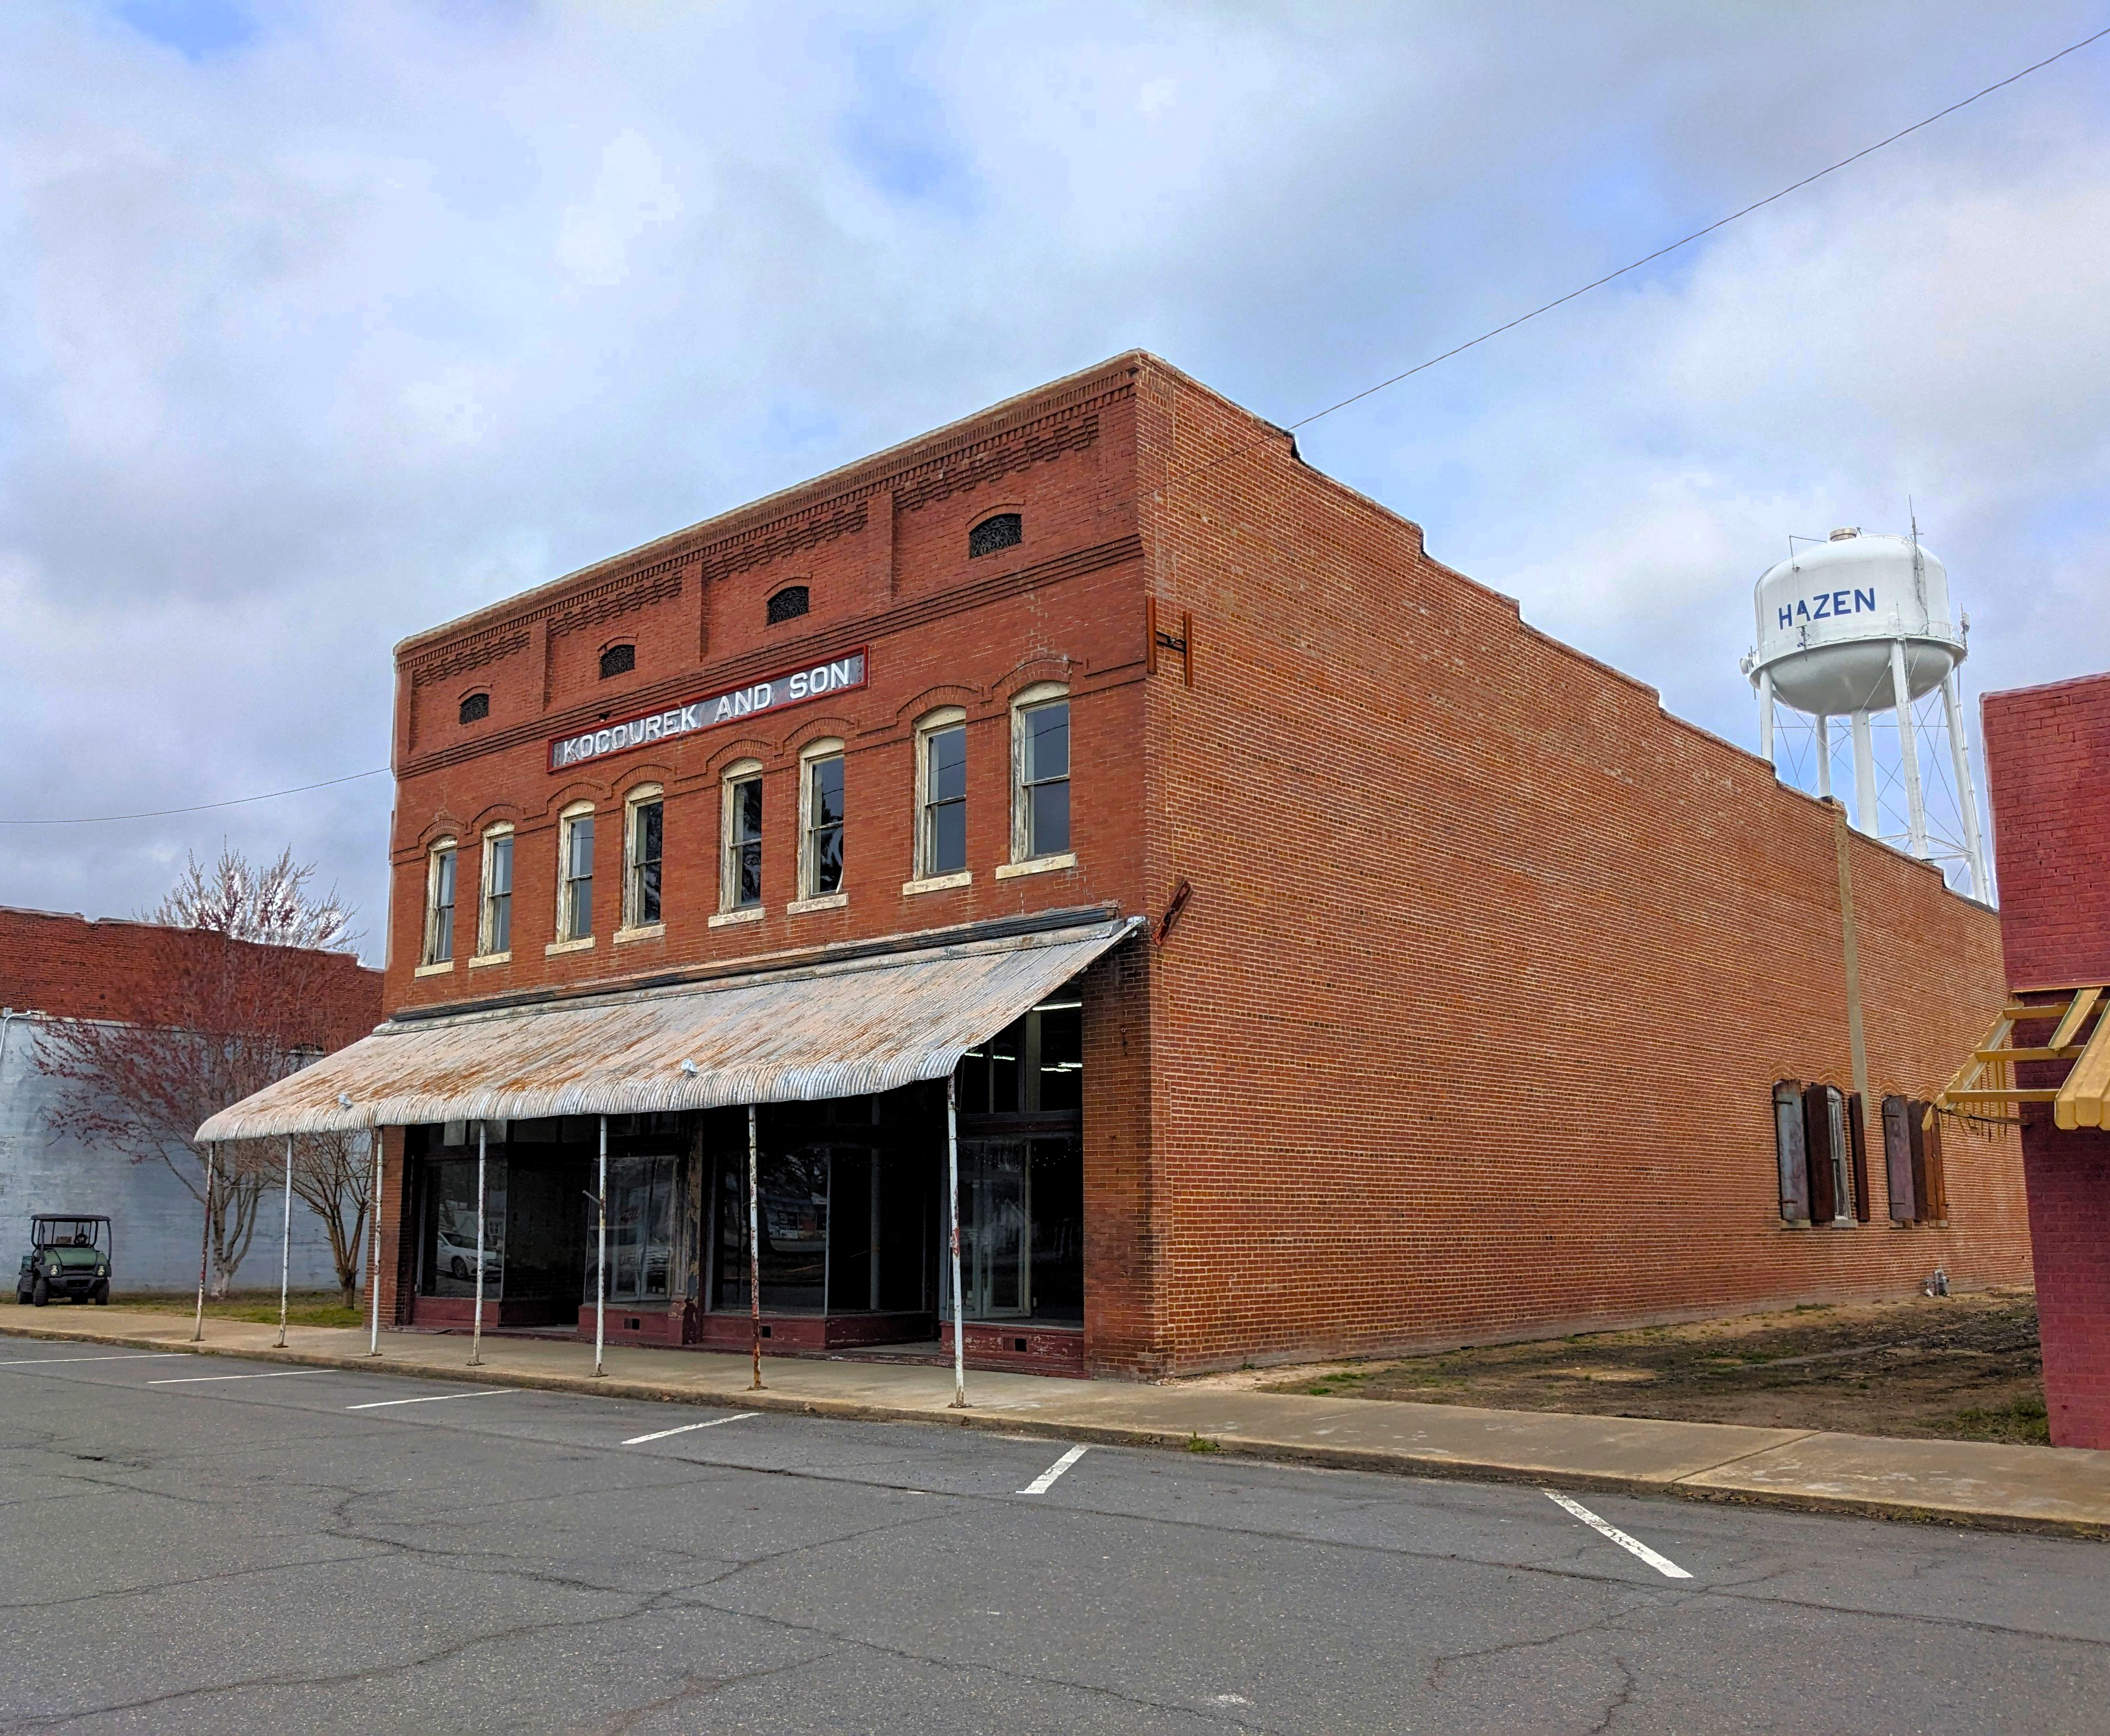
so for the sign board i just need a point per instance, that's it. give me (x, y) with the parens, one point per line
(837, 675)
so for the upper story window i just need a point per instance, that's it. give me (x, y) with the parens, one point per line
(1040, 750)
(644, 817)
(820, 820)
(1034, 1066)
(475, 707)
(440, 902)
(618, 660)
(1000, 531)
(941, 793)
(575, 872)
(789, 603)
(495, 923)
(739, 886)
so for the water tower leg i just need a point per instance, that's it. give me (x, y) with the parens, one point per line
(1766, 715)
(1865, 775)
(1966, 796)
(1824, 756)
(1908, 753)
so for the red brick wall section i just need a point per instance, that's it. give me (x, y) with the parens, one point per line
(1470, 1029)
(2047, 772)
(2047, 760)
(71, 968)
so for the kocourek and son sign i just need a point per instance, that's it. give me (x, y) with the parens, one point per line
(835, 675)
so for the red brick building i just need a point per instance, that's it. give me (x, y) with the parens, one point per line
(2047, 758)
(1441, 986)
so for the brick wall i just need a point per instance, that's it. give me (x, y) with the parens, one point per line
(2047, 752)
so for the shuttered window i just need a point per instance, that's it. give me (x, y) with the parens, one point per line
(1822, 1158)
(1792, 1152)
(1898, 1161)
(1857, 1134)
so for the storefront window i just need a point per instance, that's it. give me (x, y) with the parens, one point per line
(451, 1228)
(641, 1231)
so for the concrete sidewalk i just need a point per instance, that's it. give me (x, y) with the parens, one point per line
(2030, 1488)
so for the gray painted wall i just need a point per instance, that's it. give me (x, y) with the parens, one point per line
(156, 1221)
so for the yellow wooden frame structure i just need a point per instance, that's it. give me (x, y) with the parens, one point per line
(1987, 1080)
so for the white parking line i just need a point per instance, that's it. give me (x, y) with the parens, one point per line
(1046, 1480)
(202, 1379)
(690, 1428)
(137, 1356)
(383, 1404)
(1633, 1546)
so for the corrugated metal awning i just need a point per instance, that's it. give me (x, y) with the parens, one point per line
(822, 1029)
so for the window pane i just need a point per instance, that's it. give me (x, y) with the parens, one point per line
(947, 840)
(827, 809)
(649, 815)
(828, 860)
(750, 889)
(947, 777)
(582, 843)
(1061, 1072)
(747, 810)
(500, 937)
(1047, 820)
(501, 865)
(644, 891)
(1048, 742)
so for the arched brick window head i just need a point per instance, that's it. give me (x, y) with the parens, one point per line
(618, 660)
(789, 603)
(475, 707)
(1001, 531)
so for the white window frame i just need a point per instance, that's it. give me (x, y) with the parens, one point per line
(810, 897)
(925, 878)
(730, 910)
(567, 823)
(1023, 861)
(447, 849)
(633, 922)
(485, 953)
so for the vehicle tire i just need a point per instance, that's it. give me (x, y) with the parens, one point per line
(21, 1299)
(459, 1269)
(102, 1295)
(40, 1292)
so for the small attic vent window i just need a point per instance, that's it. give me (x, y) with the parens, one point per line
(618, 660)
(475, 707)
(1001, 531)
(789, 603)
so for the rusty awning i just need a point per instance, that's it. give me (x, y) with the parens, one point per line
(791, 1034)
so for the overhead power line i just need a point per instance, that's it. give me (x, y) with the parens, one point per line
(236, 802)
(1511, 325)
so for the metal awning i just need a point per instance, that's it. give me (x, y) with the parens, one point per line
(838, 1029)
(2082, 1099)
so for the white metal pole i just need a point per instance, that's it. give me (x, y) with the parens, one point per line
(754, 1239)
(476, 1328)
(374, 1241)
(1766, 715)
(1824, 756)
(1967, 794)
(953, 1206)
(205, 1240)
(1908, 753)
(286, 1243)
(1864, 774)
(600, 1257)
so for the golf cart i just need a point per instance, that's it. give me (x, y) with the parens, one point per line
(69, 1256)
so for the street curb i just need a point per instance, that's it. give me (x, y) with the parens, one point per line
(1116, 1435)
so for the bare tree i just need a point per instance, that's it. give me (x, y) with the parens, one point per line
(233, 1012)
(332, 1173)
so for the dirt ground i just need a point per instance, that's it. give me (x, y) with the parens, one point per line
(1962, 1367)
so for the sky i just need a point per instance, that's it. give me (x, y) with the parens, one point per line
(320, 324)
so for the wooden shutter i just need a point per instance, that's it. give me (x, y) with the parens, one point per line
(1917, 1138)
(1857, 1135)
(1935, 1202)
(1788, 1146)
(1898, 1160)
(1817, 1145)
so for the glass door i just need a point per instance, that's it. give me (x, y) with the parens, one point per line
(996, 1242)
(640, 1222)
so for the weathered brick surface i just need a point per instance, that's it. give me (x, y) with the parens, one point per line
(2046, 759)
(1470, 1028)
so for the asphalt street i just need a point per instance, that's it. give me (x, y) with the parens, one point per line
(198, 1544)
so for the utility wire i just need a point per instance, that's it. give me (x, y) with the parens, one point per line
(1649, 258)
(156, 813)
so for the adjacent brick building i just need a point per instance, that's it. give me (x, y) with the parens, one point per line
(2047, 769)
(1467, 977)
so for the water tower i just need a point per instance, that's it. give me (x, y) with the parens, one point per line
(1859, 627)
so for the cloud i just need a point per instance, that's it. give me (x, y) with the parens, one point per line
(324, 324)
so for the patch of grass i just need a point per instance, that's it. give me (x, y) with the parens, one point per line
(1327, 1385)
(1202, 1444)
(303, 1308)
(2024, 1423)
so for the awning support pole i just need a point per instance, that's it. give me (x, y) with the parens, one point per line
(952, 1207)
(475, 1327)
(754, 1239)
(286, 1243)
(205, 1240)
(374, 1241)
(600, 1256)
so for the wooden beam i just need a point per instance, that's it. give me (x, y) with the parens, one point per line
(2067, 1053)
(2010, 1095)
(2080, 1101)
(2076, 1016)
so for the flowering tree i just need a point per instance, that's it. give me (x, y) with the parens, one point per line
(241, 995)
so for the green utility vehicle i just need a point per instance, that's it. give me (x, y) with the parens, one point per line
(69, 1256)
